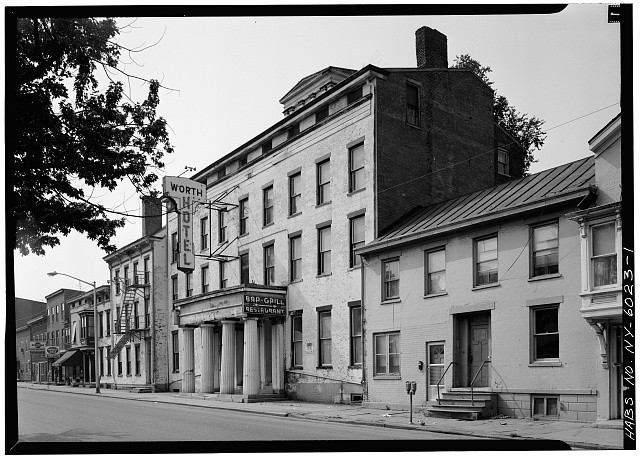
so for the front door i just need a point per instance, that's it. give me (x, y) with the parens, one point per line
(435, 369)
(479, 339)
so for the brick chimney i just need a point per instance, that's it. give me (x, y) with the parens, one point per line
(152, 215)
(431, 48)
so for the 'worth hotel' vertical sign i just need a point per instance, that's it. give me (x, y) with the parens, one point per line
(186, 193)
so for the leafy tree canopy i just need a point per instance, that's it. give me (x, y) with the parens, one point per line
(71, 136)
(526, 130)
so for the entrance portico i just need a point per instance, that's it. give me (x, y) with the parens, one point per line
(250, 315)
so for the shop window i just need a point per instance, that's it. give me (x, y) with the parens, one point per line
(604, 259)
(544, 250)
(387, 354)
(486, 261)
(436, 277)
(545, 335)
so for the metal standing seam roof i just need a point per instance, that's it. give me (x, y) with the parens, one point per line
(520, 193)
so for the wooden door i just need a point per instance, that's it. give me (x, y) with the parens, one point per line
(479, 341)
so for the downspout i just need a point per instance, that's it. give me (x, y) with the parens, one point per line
(153, 319)
(362, 329)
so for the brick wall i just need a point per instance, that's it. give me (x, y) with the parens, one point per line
(450, 153)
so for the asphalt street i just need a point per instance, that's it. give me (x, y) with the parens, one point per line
(49, 416)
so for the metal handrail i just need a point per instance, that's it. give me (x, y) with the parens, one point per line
(441, 378)
(474, 378)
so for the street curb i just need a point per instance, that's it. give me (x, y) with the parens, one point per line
(573, 444)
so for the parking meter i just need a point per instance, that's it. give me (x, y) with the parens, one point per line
(413, 387)
(411, 390)
(408, 384)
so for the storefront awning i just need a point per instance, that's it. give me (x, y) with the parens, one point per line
(69, 359)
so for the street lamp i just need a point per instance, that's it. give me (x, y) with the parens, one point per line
(96, 361)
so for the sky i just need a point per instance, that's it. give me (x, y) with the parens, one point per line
(227, 74)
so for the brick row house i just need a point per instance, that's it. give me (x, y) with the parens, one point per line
(286, 210)
(28, 315)
(484, 291)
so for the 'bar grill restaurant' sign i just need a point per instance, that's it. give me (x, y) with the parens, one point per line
(264, 305)
(186, 193)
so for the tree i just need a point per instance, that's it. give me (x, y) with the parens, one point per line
(71, 137)
(526, 130)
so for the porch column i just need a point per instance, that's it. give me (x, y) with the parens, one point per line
(251, 365)
(188, 376)
(207, 358)
(277, 356)
(228, 368)
(216, 361)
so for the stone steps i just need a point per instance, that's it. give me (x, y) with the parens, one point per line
(457, 405)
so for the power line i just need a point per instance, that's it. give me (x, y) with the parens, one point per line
(573, 120)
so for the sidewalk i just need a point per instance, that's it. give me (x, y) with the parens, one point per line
(575, 434)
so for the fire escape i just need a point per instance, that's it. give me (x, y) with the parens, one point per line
(128, 323)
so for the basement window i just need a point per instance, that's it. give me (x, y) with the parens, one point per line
(544, 407)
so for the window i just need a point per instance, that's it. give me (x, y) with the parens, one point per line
(391, 279)
(126, 277)
(269, 266)
(147, 314)
(356, 335)
(546, 339)
(242, 161)
(204, 233)
(128, 359)
(295, 196)
(174, 287)
(116, 280)
(189, 281)
(545, 406)
(108, 353)
(267, 146)
(387, 353)
(295, 251)
(324, 182)
(147, 273)
(222, 226)
(118, 323)
(293, 131)
(604, 260)
(224, 278)
(176, 351)
(100, 325)
(120, 363)
(136, 315)
(244, 216)
(356, 239)
(544, 247)
(324, 250)
(503, 161)
(413, 105)
(356, 168)
(436, 277)
(136, 350)
(324, 336)
(296, 340)
(354, 95)
(244, 268)
(486, 253)
(108, 321)
(267, 197)
(174, 247)
(135, 272)
(204, 278)
(322, 113)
